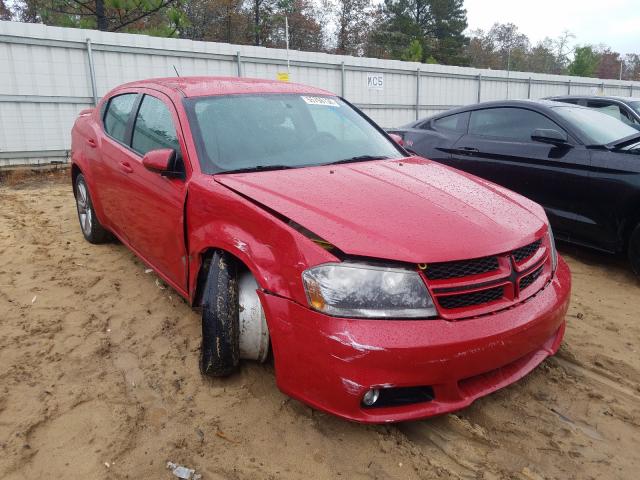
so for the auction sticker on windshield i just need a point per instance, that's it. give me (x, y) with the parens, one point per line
(328, 102)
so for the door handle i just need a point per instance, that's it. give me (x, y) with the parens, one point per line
(92, 143)
(125, 167)
(470, 150)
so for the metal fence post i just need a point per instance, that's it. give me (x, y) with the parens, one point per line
(479, 87)
(529, 89)
(631, 90)
(239, 63)
(418, 93)
(92, 72)
(569, 87)
(342, 80)
(602, 87)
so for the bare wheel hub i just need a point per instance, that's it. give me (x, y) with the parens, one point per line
(254, 334)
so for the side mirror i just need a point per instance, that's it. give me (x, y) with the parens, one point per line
(397, 138)
(551, 136)
(159, 161)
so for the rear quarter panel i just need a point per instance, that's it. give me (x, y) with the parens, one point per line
(84, 157)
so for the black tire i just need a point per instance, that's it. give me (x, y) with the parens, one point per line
(220, 351)
(634, 250)
(90, 226)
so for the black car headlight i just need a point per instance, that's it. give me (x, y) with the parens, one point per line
(361, 290)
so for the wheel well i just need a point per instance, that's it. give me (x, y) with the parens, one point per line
(203, 271)
(630, 225)
(75, 171)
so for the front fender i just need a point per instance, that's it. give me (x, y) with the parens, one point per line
(275, 253)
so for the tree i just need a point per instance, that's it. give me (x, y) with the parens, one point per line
(631, 67)
(216, 21)
(609, 64)
(447, 22)
(353, 20)
(437, 24)
(585, 62)
(5, 13)
(305, 31)
(107, 15)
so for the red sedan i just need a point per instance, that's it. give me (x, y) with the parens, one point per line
(386, 286)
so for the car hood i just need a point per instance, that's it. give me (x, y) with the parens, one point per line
(411, 209)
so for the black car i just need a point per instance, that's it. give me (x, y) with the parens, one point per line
(626, 109)
(581, 165)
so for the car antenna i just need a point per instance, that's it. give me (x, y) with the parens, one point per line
(177, 74)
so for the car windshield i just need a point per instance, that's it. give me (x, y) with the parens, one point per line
(598, 128)
(268, 131)
(635, 106)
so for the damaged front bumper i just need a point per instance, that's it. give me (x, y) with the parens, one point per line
(330, 363)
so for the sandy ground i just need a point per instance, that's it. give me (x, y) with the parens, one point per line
(99, 380)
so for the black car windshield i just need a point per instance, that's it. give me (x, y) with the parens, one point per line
(598, 128)
(268, 131)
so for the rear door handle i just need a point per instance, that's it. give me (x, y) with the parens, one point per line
(125, 167)
(92, 143)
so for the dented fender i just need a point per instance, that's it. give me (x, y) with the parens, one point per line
(276, 254)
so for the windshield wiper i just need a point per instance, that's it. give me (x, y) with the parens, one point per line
(360, 158)
(257, 168)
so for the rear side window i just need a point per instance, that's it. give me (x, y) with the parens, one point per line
(452, 123)
(509, 123)
(154, 127)
(117, 115)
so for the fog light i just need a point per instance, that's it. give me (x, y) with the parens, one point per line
(371, 397)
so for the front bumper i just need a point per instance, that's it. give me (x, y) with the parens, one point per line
(329, 363)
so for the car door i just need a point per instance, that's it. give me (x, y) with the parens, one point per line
(498, 147)
(110, 165)
(153, 204)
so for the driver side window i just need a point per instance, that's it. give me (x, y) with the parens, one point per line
(510, 123)
(154, 129)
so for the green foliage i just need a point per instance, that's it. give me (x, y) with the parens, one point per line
(413, 53)
(159, 17)
(437, 25)
(585, 62)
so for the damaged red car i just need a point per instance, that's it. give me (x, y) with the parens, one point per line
(386, 287)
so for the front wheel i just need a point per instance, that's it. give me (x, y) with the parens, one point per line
(634, 250)
(220, 351)
(92, 229)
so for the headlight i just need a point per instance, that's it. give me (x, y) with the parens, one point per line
(554, 252)
(367, 291)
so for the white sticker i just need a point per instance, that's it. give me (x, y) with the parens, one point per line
(326, 101)
(375, 81)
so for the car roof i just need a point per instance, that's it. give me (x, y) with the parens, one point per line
(535, 104)
(597, 97)
(205, 86)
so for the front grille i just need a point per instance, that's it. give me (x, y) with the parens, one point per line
(462, 268)
(470, 299)
(522, 253)
(529, 279)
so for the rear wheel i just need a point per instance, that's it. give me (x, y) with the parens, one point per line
(91, 228)
(634, 250)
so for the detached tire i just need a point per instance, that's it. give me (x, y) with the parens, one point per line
(634, 250)
(219, 354)
(92, 229)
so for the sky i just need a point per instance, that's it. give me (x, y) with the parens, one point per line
(615, 23)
